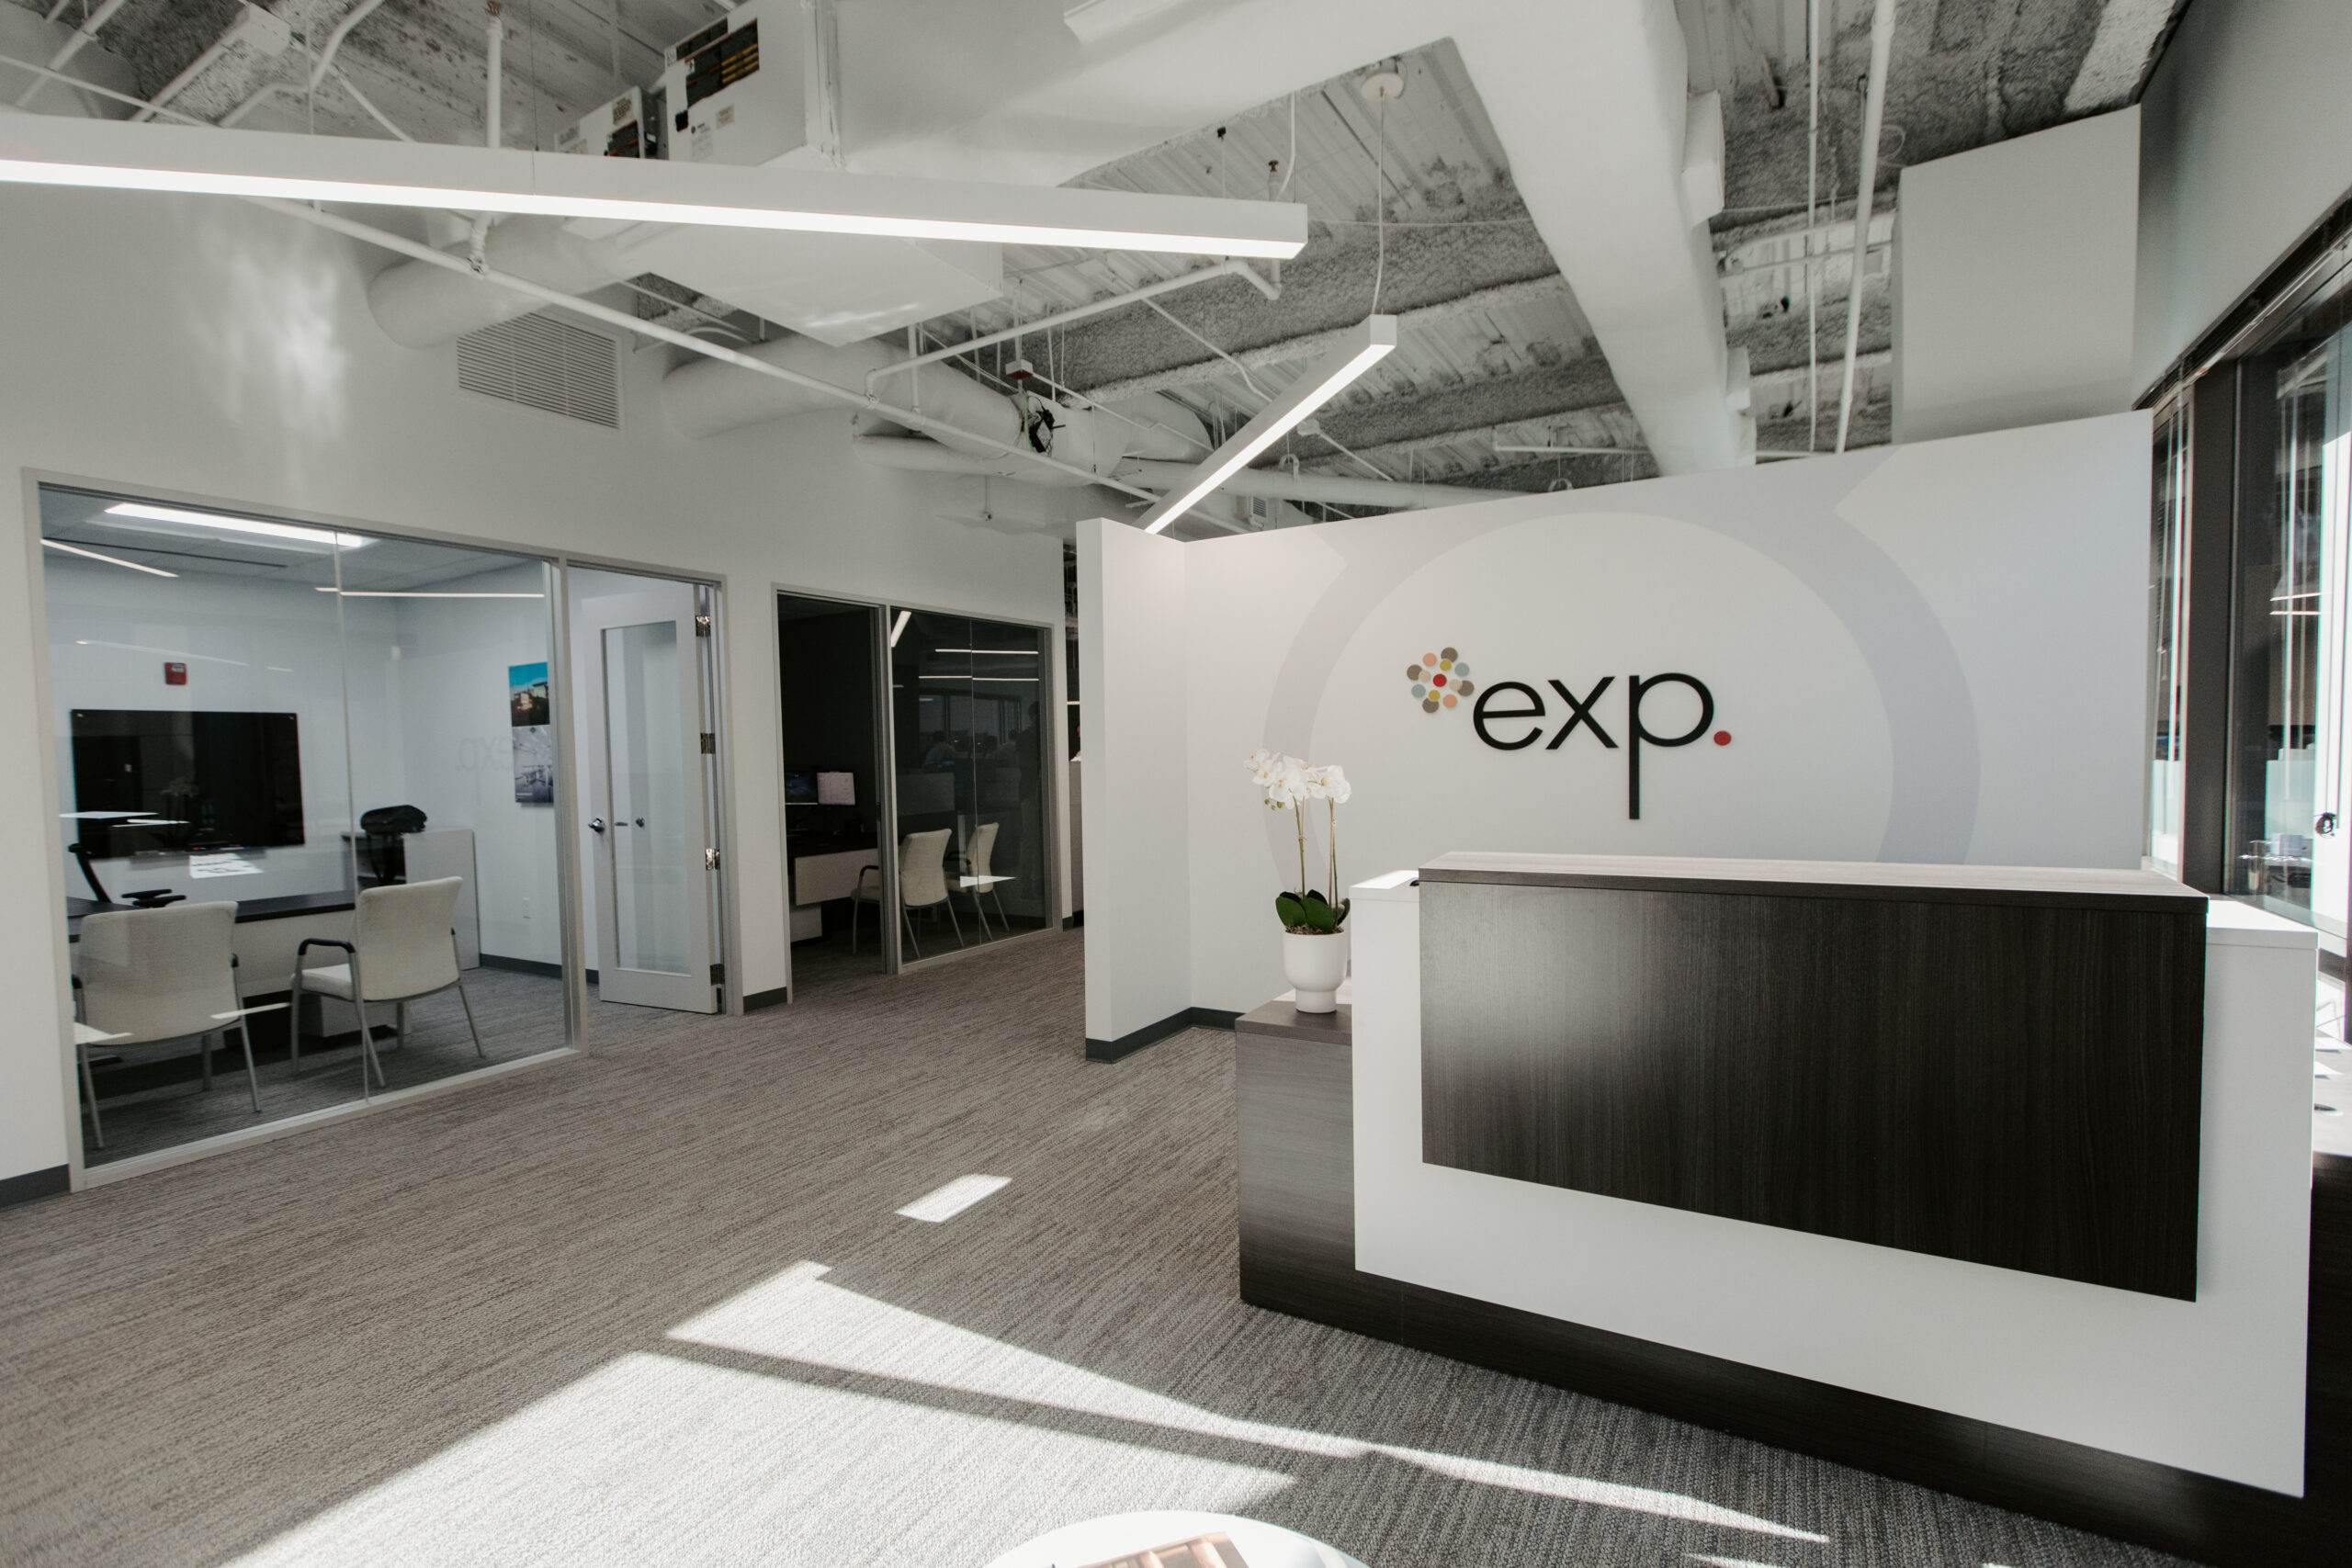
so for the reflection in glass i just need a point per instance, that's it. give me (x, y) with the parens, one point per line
(269, 717)
(2167, 636)
(968, 703)
(650, 849)
(2295, 592)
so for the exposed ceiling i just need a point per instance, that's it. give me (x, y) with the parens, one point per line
(1413, 201)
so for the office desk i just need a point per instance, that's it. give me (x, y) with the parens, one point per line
(819, 879)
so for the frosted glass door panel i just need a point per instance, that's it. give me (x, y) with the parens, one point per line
(653, 884)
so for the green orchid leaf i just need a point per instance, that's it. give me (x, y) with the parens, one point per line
(1345, 903)
(1321, 916)
(1315, 900)
(1289, 910)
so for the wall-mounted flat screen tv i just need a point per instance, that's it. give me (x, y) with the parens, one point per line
(186, 780)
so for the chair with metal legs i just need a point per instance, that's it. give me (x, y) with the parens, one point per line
(979, 880)
(923, 884)
(156, 978)
(403, 950)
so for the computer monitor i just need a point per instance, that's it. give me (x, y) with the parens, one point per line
(837, 789)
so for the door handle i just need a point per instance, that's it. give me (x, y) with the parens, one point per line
(596, 824)
(640, 821)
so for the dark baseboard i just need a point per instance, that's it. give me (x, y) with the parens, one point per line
(1297, 1256)
(34, 1184)
(1071, 921)
(1153, 1034)
(754, 1001)
(524, 965)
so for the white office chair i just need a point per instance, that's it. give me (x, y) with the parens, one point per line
(923, 884)
(403, 950)
(155, 978)
(976, 858)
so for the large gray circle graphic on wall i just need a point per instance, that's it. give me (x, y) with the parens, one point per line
(1787, 515)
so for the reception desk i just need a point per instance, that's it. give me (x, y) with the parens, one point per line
(1994, 1179)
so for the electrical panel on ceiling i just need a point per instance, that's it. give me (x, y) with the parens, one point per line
(736, 91)
(622, 128)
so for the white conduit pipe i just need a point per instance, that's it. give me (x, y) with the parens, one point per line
(197, 67)
(1865, 197)
(493, 114)
(86, 34)
(610, 317)
(1272, 484)
(42, 74)
(1133, 296)
(360, 14)
(343, 80)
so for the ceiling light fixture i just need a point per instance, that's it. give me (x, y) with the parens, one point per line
(111, 560)
(118, 155)
(418, 594)
(899, 626)
(1364, 347)
(140, 509)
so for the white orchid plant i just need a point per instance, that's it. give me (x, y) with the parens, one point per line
(1290, 783)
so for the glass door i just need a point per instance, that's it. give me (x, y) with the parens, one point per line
(968, 706)
(653, 852)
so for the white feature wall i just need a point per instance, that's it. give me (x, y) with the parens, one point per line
(2246, 144)
(2012, 283)
(1931, 653)
(203, 349)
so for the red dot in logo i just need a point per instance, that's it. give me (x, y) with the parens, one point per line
(1437, 680)
(1722, 737)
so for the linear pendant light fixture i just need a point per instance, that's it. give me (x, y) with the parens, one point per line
(1325, 379)
(117, 155)
(226, 524)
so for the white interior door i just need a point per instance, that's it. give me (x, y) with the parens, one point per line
(649, 822)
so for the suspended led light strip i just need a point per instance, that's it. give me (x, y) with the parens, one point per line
(1324, 380)
(419, 594)
(111, 560)
(140, 509)
(118, 155)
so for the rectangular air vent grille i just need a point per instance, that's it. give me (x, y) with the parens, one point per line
(546, 364)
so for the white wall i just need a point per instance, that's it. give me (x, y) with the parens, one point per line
(2246, 142)
(449, 659)
(1136, 858)
(205, 348)
(1929, 653)
(2013, 267)
(249, 646)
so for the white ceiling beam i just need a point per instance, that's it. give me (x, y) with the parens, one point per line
(115, 155)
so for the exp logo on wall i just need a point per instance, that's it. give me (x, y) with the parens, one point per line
(1439, 682)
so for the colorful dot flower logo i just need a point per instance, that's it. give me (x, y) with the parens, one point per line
(1440, 680)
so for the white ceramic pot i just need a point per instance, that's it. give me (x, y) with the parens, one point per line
(1315, 965)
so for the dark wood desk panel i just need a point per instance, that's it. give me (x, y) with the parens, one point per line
(2006, 1081)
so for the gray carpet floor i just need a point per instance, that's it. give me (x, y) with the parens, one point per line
(655, 1305)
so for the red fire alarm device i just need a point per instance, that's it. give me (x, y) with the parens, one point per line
(175, 674)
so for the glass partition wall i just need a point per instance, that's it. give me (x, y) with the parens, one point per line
(2287, 794)
(295, 764)
(968, 735)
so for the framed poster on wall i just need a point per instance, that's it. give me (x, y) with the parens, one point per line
(533, 736)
